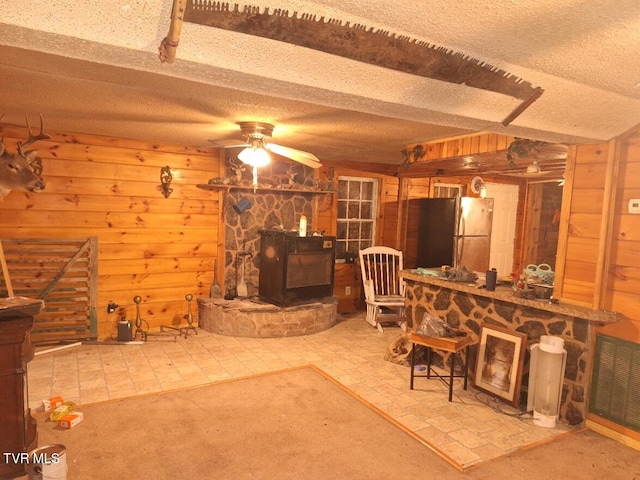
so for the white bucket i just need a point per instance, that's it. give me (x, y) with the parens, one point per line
(48, 463)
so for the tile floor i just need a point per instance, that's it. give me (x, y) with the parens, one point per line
(472, 429)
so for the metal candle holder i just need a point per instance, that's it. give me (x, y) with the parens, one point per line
(139, 331)
(144, 335)
(183, 330)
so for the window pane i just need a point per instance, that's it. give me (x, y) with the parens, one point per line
(342, 230)
(354, 190)
(340, 249)
(354, 231)
(354, 210)
(342, 209)
(343, 188)
(366, 210)
(366, 229)
(367, 191)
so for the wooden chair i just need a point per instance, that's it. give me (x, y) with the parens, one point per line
(383, 287)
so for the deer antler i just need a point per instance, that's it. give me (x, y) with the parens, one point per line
(33, 138)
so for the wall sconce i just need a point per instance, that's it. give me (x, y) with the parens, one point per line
(165, 179)
(243, 205)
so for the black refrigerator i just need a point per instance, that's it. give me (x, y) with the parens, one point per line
(455, 232)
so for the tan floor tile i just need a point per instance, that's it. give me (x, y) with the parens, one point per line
(90, 395)
(506, 425)
(195, 378)
(467, 438)
(376, 399)
(423, 410)
(351, 352)
(388, 390)
(169, 377)
(412, 422)
(219, 377)
(403, 400)
(459, 453)
(124, 391)
(501, 441)
(488, 451)
(444, 424)
(147, 386)
(140, 375)
(433, 435)
(96, 382)
(473, 424)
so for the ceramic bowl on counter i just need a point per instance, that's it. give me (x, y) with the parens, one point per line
(542, 291)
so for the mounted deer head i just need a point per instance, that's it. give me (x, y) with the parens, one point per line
(22, 171)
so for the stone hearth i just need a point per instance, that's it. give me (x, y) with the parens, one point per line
(253, 318)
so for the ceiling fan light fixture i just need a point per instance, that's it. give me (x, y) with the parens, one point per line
(254, 156)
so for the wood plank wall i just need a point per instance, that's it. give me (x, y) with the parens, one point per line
(582, 215)
(601, 234)
(465, 145)
(623, 276)
(158, 248)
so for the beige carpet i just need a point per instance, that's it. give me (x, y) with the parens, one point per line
(296, 423)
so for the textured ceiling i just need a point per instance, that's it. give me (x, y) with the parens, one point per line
(93, 67)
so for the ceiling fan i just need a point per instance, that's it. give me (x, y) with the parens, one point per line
(256, 147)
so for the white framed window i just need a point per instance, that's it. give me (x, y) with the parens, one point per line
(357, 213)
(447, 190)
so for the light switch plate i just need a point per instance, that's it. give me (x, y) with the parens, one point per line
(634, 205)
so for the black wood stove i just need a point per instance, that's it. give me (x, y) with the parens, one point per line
(295, 268)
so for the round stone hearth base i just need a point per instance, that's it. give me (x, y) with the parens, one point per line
(254, 318)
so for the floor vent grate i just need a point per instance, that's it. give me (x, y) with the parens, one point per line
(615, 388)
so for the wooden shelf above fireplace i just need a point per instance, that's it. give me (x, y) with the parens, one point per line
(216, 187)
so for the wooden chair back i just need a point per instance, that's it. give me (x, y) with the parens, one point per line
(380, 271)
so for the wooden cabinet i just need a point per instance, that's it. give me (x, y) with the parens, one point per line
(347, 286)
(19, 428)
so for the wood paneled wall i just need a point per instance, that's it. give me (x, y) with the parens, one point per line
(599, 238)
(464, 145)
(582, 212)
(623, 275)
(158, 248)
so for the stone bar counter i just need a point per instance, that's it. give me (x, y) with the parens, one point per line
(466, 306)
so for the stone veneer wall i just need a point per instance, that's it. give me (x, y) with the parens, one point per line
(269, 208)
(245, 318)
(468, 312)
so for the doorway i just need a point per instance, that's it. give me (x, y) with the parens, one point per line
(503, 230)
(542, 223)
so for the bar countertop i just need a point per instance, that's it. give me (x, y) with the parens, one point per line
(505, 294)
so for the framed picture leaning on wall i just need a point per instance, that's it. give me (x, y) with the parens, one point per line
(499, 363)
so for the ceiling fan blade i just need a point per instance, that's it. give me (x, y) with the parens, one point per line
(305, 158)
(229, 143)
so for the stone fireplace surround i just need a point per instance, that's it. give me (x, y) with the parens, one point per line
(286, 192)
(254, 318)
(270, 208)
